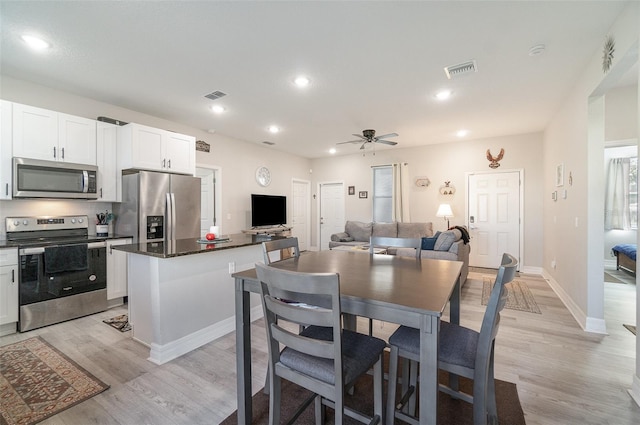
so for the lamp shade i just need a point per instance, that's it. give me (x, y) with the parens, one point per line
(444, 210)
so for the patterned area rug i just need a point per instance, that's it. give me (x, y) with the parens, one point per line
(519, 296)
(121, 323)
(38, 381)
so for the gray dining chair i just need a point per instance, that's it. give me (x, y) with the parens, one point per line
(385, 242)
(461, 352)
(269, 247)
(324, 358)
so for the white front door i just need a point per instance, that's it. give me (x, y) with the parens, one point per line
(331, 212)
(301, 210)
(493, 216)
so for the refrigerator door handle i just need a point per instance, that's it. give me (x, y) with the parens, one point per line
(169, 218)
(173, 216)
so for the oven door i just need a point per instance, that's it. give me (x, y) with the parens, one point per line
(40, 281)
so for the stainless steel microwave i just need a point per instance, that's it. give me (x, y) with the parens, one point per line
(34, 178)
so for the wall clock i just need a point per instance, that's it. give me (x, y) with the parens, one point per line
(263, 176)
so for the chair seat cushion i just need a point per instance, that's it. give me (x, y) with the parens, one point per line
(458, 345)
(359, 352)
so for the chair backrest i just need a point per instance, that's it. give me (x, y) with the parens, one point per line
(278, 245)
(491, 320)
(383, 241)
(321, 290)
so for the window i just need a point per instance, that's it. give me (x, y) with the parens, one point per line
(383, 194)
(633, 192)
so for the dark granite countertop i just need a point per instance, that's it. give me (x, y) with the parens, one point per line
(88, 239)
(180, 247)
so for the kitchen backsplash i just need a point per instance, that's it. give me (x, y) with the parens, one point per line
(44, 207)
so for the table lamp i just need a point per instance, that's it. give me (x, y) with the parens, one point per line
(444, 210)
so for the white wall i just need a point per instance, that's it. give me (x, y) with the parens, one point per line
(621, 113)
(237, 159)
(440, 163)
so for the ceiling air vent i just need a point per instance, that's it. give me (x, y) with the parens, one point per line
(461, 69)
(215, 95)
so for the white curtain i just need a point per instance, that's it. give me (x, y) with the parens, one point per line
(401, 190)
(616, 203)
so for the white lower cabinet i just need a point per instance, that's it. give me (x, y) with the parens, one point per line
(8, 290)
(116, 269)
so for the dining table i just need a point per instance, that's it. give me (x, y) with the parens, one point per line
(396, 289)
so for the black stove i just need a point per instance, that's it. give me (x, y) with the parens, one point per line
(49, 231)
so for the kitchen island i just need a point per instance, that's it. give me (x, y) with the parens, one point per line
(181, 293)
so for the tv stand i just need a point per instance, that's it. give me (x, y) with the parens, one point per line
(270, 231)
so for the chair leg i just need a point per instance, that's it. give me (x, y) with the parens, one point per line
(413, 381)
(377, 389)
(274, 401)
(492, 408)
(392, 385)
(404, 387)
(319, 410)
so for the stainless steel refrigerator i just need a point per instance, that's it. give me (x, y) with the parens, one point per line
(158, 207)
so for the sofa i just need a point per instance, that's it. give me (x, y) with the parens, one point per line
(448, 245)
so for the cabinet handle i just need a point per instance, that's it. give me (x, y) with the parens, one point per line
(54, 151)
(169, 164)
(164, 163)
(62, 153)
(13, 276)
(101, 192)
(6, 190)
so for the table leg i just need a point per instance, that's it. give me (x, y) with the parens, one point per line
(429, 370)
(243, 353)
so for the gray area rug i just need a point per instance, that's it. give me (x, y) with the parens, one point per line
(519, 297)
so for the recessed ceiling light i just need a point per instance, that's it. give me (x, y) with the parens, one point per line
(218, 109)
(332, 151)
(462, 133)
(35, 43)
(302, 81)
(274, 129)
(443, 94)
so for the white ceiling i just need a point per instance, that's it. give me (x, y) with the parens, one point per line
(372, 64)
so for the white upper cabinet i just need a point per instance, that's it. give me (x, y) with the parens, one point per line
(43, 134)
(148, 148)
(5, 150)
(108, 177)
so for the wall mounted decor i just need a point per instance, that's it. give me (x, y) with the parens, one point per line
(202, 146)
(362, 194)
(560, 175)
(447, 189)
(494, 160)
(607, 53)
(422, 182)
(352, 190)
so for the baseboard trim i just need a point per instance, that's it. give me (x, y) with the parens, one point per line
(588, 324)
(531, 270)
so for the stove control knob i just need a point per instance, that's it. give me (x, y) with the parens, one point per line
(25, 222)
(73, 221)
(16, 222)
(80, 220)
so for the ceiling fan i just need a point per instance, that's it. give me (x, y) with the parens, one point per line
(369, 136)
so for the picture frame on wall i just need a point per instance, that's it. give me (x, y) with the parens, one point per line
(560, 175)
(362, 194)
(352, 190)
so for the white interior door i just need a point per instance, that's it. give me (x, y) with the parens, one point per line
(301, 213)
(207, 199)
(331, 212)
(493, 216)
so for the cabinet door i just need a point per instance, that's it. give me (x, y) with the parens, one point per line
(147, 148)
(180, 153)
(8, 286)
(116, 269)
(5, 150)
(106, 160)
(35, 133)
(76, 139)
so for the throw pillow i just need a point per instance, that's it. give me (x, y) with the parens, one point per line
(347, 239)
(446, 239)
(429, 243)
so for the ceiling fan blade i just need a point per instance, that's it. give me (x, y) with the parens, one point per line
(387, 142)
(360, 136)
(350, 141)
(362, 147)
(387, 135)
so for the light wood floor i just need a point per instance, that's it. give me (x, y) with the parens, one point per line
(563, 375)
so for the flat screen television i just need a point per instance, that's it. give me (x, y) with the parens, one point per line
(268, 210)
